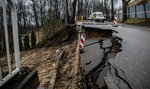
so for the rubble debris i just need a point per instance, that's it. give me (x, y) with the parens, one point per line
(105, 72)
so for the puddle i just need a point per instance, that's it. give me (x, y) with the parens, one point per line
(110, 46)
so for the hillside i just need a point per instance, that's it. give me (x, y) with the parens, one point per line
(55, 55)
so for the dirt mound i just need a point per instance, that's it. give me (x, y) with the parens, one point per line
(45, 58)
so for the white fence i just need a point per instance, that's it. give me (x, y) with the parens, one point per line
(139, 11)
(12, 72)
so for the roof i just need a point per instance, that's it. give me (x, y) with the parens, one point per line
(97, 13)
(138, 2)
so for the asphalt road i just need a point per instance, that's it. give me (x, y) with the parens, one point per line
(91, 52)
(133, 60)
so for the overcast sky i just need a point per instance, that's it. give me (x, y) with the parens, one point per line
(0, 2)
(118, 5)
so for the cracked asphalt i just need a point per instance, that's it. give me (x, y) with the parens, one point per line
(129, 68)
(134, 59)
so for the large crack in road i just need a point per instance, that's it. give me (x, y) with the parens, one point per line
(105, 75)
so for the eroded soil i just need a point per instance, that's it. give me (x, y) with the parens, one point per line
(56, 55)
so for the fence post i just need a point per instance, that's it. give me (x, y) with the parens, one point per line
(6, 37)
(15, 33)
(144, 10)
(128, 12)
(135, 12)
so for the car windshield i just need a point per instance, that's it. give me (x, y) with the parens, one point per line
(99, 15)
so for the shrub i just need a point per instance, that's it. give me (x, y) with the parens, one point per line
(135, 21)
(26, 42)
(20, 43)
(33, 39)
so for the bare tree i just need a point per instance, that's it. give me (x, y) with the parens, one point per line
(67, 11)
(112, 9)
(106, 7)
(42, 10)
(35, 12)
(74, 10)
(125, 4)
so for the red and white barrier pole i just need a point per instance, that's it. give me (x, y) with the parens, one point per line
(115, 21)
(82, 41)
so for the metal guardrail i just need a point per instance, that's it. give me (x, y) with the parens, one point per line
(16, 42)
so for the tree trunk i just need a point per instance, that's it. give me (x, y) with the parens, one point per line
(78, 8)
(24, 16)
(35, 13)
(145, 10)
(74, 11)
(112, 9)
(67, 11)
(125, 4)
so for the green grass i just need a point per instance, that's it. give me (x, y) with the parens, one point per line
(120, 20)
(136, 21)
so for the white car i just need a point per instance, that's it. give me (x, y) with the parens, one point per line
(97, 17)
(89, 18)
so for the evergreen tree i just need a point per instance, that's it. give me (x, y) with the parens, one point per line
(20, 43)
(33, 39)
(26, 42)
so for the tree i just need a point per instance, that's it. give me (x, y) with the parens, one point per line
(42, 10)
(22, 14)
(74, 10)
(67, 11)
(35, 12)
(106, 8)
(112, 9)
(26, 42)
(125, 4)
(33, 39)
(20, 43)
(80, 7)
(86, 7)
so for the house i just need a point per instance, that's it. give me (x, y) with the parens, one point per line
(138, 2)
